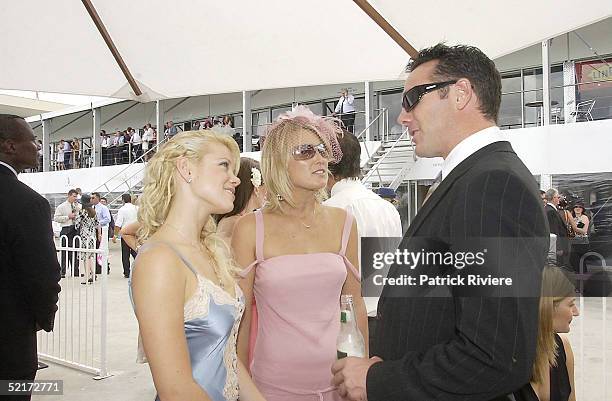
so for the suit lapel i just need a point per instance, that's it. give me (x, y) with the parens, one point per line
(558, 218)
(449, 181)
(438, 195)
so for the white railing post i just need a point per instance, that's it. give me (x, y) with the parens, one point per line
(103, 305)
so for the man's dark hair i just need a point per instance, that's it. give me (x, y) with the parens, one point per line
(103, 198)
(96, 194)
(456, 62)
(350, 164)
(8, 126)
(72, 192)
(126, 198)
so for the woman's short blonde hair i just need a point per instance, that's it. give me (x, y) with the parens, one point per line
(160, 189)
(556, 286)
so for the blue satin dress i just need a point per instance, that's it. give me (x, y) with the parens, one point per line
(212, 317)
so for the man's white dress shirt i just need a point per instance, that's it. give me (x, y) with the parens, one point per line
(469, 146)
(375, 217)
(63, 210)
(345, 105)
(9, 167)
(126, 215)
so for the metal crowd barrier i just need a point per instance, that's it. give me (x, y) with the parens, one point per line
(79, 338)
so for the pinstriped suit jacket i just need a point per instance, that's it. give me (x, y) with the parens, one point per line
(463, 347)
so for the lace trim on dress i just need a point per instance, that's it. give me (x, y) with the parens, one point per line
(231, 390)
(197, 305)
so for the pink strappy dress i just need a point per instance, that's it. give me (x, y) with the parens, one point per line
(298, 308)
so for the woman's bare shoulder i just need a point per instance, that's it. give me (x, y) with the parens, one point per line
(156, 260)
(334, 214)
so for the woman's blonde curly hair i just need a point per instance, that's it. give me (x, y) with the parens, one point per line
(160, 188)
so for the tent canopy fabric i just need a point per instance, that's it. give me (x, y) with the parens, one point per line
(195, 47)
(26, 107)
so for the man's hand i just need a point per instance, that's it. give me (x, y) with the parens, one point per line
(350, 377)
(71, 215)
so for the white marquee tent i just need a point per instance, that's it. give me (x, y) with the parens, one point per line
(194, 47)
(25, 107)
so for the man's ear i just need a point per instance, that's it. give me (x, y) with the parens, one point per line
(462, 93)
(7, 146)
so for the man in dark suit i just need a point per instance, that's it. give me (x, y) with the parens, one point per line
(29, 271)
(451, 341)
(557, 226)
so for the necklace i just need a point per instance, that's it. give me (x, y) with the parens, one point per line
(197, 245)
(313, 219)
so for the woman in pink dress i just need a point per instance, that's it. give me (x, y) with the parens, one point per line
(298, 257)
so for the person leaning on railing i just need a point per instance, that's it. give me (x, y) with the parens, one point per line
(104, 144)
(148, 140)
(76, 153)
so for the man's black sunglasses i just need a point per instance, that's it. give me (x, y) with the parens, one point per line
(413, 96)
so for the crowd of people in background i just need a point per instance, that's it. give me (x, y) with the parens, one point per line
(571, 224)
(125, 146)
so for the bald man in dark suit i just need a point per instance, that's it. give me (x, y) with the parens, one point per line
(29, 270)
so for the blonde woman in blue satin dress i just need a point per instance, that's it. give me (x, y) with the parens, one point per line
(183, 284)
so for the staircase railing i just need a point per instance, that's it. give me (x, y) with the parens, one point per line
(376, 166)
(399, 178)
(383, 116)
(125, 181)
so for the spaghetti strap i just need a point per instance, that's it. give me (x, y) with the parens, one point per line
(346, 232)
(245, 272)
(259, 235)
(176, 251)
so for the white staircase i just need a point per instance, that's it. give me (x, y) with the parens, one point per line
(128, 181)
(384, 168)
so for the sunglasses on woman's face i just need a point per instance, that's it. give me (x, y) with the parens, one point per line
(413, 96)
(308, 151)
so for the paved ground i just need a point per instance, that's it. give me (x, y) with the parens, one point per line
(131, 381)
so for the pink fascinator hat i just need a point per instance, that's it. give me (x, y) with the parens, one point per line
(326, 128)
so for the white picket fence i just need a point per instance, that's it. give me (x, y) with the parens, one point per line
(79, 338)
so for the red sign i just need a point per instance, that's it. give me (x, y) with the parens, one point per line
(595, 74)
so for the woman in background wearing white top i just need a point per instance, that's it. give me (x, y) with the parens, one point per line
(136, 141)
(59, 160)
